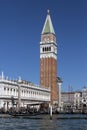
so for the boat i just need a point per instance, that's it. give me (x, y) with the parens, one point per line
(23, 115)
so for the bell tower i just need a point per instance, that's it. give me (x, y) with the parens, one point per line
(48, 59)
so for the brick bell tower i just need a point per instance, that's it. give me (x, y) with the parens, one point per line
(48, 59)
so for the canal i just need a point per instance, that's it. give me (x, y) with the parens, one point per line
(43, 122)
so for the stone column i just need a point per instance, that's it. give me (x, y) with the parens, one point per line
(59, 85)
(59, 93)
(19, 94)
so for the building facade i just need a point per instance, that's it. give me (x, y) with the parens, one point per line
(78, 100)
(67, 97)
(21, 93)
(72, 101)
(84, 96)
(48, 59)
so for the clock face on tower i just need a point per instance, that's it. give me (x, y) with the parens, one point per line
(47, 39)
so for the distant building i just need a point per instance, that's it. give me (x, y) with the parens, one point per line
(84, 96)
(67, 98)
(78, 100)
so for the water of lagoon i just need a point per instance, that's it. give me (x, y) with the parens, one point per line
(43, 123)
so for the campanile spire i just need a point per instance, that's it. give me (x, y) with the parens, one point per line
(48, 26)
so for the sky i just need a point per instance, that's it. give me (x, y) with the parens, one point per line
(21, 24)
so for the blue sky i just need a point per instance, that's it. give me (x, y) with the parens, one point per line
(21, 23)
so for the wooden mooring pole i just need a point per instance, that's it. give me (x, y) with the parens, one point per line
(50, 112)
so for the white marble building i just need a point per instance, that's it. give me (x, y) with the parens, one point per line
(84, 96)
(77, 99)
(21, 92)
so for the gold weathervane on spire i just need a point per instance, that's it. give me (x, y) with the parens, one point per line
(48, 11)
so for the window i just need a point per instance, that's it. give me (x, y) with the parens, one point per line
(4, 88)
(43, 49)
(49, 48)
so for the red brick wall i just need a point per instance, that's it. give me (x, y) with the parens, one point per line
(48, 74)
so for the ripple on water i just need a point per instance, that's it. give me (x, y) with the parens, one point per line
(42, 124)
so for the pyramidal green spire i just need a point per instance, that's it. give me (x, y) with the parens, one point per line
(48, 27)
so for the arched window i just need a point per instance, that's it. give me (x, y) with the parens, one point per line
(43, 49)
(49, 48)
